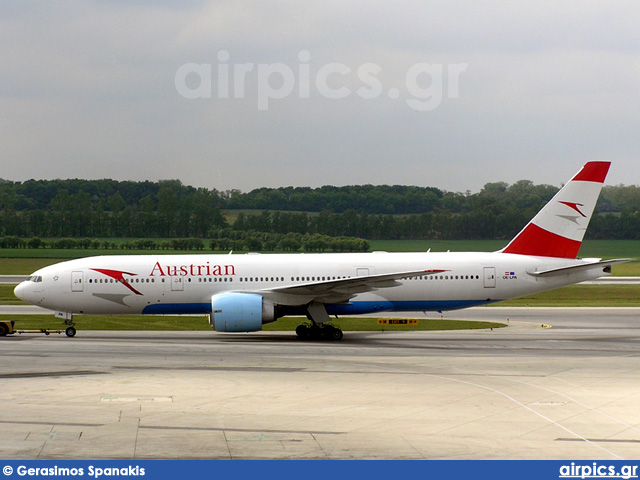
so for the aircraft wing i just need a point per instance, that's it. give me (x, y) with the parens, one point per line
(341, 289)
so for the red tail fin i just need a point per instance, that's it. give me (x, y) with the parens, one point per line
(558, 229)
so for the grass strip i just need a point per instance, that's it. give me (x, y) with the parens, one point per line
(580, 296)
(7, 297)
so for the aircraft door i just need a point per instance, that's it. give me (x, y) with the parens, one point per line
(177, 285)
(362, 271)
(77, 281)
(489, 277)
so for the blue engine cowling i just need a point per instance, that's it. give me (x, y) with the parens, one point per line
(240, 312)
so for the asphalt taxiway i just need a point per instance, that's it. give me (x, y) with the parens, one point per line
(523, 392)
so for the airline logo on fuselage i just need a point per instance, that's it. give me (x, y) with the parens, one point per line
(203, 270)
(118, 276)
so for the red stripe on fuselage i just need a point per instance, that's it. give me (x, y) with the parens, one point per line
(537, 241)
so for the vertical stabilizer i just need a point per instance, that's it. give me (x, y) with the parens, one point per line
(558, 229)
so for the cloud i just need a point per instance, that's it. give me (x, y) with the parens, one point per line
(88, 90)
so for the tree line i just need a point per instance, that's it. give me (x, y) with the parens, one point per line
(169, 209)
(223, 241)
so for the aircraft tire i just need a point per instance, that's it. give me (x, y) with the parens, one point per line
(70, 332)
(303, 331)
(315, 333)
(336, 334)
(4, 330)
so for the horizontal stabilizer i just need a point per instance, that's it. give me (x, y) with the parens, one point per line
(604, 264)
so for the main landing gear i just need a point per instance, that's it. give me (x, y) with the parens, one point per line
(315, 331)
(318, 329)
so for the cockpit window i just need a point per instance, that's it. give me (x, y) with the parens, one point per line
(34, 278)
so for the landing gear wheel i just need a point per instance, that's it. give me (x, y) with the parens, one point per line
(4, 330)
(319, 332)
(303, 331)
(330, 332)
(336, 334)
(70, 332)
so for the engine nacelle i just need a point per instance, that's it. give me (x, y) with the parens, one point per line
(240, 312)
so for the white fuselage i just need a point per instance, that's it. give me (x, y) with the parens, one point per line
(184, 284)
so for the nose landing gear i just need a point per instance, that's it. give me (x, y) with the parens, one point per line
(70, 331)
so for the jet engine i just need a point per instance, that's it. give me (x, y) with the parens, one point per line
(240, 312)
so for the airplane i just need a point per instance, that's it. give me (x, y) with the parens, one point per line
(240, 293)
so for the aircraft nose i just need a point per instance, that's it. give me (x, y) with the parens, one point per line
(21, 291)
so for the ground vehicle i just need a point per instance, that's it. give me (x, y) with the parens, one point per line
(7, 327)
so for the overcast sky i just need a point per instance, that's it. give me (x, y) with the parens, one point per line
(238, 95)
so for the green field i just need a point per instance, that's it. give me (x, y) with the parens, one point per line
(24, 266)
(581, 296)
(590, 249)
(7, 297)
(198, 323)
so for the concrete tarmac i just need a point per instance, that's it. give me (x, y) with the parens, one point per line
(523, 392)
